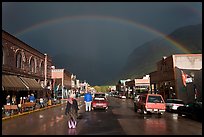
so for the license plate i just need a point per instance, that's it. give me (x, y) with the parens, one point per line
(155, 109)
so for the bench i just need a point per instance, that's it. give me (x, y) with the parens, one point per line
(28, 105)
(10, 109)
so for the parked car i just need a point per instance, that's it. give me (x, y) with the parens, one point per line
(99, 94)
(99, 102)
(123, 97)
(191, 110)
(150, 103)
(173, 104)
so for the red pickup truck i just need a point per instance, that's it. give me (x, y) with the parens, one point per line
(150, 103)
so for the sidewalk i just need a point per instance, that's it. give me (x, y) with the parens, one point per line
(37, 108)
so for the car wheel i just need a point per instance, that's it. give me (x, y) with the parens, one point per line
(161, 113)
(135, 108)
(179, 114)
(169, 110)
(144, 111)
(193, 116)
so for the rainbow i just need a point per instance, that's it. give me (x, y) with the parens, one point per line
(106, 18)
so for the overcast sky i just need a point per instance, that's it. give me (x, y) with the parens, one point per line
(93, 39)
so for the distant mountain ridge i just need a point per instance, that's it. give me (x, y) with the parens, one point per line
(144, 58)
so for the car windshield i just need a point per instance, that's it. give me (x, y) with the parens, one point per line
(155, 99)
(99, 95)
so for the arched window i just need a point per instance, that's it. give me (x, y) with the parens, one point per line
(42, 68)
(32, 65)
(3, 55)
(18, 60)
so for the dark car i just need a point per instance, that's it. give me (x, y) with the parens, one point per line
(173, 104)
(191, 110)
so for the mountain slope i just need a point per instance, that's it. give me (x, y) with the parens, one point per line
(144, 58)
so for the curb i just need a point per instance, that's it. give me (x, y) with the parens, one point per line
(25, 113)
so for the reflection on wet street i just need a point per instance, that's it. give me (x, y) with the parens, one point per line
(119, 119)
(156, 124)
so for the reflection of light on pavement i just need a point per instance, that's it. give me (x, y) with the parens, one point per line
(155, 126)
(175, 116)
(72, 132)
(51, 123)
(44, 127)
(59, 118)
(40, 116)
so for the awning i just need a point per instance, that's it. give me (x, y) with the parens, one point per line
(10, 82)
(31, 84)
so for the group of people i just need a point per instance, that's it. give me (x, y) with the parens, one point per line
(12, 101)
(72, 108)
(30, 98)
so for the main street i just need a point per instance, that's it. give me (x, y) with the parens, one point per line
(119, 119)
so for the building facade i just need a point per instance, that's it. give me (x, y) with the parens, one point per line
(61, 82)
(25, 70)
(138, 86)
(167, 79)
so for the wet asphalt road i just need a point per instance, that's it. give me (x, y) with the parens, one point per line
(119, 119)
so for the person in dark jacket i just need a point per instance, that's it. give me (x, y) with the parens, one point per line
(71, 111)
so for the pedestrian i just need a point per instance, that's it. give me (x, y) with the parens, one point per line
(41, 102)
(88, 100)
(28, 98)
(13, 100)
(8, 100)
(32, 98)
(70, 111)
(75, 104)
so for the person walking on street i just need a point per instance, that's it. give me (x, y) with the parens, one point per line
(75, 104)
(71, 111)
(88, 100)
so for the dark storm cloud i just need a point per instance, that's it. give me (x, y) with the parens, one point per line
(95, 49)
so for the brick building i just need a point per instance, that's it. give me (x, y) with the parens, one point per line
(25, 70)
(61, 82)
(167, 79)
(138, 86)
